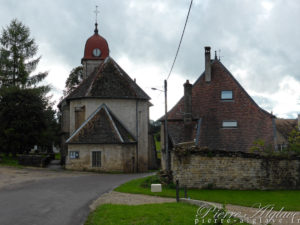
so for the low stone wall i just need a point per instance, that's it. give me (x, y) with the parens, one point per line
(203, 168)
(35, 160)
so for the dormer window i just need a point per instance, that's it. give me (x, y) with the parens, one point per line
(229, 124)
(226, 95)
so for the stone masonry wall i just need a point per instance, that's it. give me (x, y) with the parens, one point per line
(235, 170)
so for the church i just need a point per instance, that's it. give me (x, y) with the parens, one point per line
(105, 119)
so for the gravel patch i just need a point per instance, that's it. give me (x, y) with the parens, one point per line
(10, 175)
(114, 197)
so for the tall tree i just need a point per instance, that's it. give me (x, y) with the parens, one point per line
(74, 79)
(17, 57)
(26, 117)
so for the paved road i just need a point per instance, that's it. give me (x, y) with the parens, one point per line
(56, 201)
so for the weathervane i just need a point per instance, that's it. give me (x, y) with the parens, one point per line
(96, 24)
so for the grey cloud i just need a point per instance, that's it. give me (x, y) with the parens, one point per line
(149, 31)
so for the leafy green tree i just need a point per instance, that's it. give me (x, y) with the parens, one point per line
(260, 147)
(74, 79)
(51, 135)
(294, 141)
(26, 114)
(22, 119)
(17, 57)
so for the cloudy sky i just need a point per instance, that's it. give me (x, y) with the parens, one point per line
(259, 42)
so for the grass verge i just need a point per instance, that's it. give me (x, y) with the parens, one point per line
(150, 214)
(289, 199)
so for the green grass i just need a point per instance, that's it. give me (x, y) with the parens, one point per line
(151, 214)
(57, 156)
(290, 200)
(158, 147)
(9, 161)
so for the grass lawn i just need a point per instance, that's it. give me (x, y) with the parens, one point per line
(9, 161)
(57, 156)
(158, 147)
(151, 214)
(290, 200)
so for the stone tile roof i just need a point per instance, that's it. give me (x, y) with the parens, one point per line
(102, 127)
(285, 126)
(109, 80)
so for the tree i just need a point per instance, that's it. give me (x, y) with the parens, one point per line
(17, 57)
(51, 135)
(22, 119)
(26, 116)
(74, 79)
(294, 140)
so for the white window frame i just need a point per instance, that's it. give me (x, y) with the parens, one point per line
(229, 124)
(225, 92)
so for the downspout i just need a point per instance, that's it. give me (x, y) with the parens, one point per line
(274, 133)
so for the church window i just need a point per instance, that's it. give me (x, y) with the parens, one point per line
(79, 116)
(229, 124)
(96, 159)
(226, 95)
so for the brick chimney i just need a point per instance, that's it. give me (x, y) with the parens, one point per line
(207, 65)
(187, 117)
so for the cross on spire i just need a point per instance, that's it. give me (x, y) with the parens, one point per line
(96, 12)
(96, 22)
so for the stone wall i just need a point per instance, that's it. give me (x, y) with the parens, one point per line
(203, 168)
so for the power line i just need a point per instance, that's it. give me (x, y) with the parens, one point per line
(186, 20)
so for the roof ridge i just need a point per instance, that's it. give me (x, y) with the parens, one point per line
(97, 70)
(118, 129)
(113, 123)
(236, 81)
(85, 122)
(129, 78)
(124, 76)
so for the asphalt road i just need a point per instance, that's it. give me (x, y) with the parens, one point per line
(56, 201)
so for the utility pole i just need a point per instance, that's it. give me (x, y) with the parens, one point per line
(166, 128)
(166, 143)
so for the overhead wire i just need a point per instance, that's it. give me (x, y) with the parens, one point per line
(186, 20)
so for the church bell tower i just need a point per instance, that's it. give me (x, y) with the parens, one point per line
(95, 51)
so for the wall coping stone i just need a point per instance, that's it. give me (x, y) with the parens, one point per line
(187, 149)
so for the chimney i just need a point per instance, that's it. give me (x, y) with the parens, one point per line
(187, 116)
(207, 65)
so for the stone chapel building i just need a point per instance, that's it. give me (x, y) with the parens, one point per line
(105, 119)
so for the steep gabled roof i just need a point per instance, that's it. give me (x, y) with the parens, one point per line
(252, 121)
(176, 114)
(102, 127)
(109, 80)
